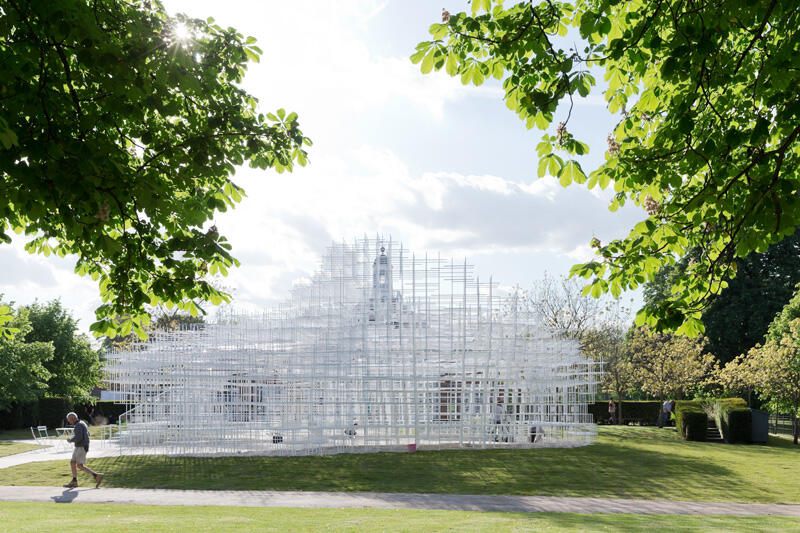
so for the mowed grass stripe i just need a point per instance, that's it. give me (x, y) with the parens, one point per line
(12, 448)
(44, 517)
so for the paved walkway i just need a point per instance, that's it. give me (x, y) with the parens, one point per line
(387, 501)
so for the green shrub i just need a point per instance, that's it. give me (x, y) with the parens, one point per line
(691, 420)
(734, 420)
(599, 412)
(53, 411)
(646, 413)
(20, 415)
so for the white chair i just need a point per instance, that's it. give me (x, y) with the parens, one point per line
(40, 435)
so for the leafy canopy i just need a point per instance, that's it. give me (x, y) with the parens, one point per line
(779, 327)
(763, 285)
(609, 343)
(666, 364)
(23, 371)
(75, 366)
(120, 130)
(774, 370)
(707, 137)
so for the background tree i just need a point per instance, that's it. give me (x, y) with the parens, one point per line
(559, 303)
(779, 327)
(75, 367)
(23, 371)
(777, 371)
(609, 343)
(764, 283)
(707, 136)
(668, 365)
(120, 129)
(738, 375)
(161, 318)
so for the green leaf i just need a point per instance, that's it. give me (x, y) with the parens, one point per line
(252, 56)
(477, 76)
(451, 67)
(544, 148)
(691, 327)
(554, 166)
(597, 288)
(542, 121)
(564, 177)
(685, 124)
(571, 172)
(438, 31)
(417, 56)
(498, 70)
(466, 75)
(427, 62)
(543, 162)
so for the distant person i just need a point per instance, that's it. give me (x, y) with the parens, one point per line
(612, 412)
(81, 440)
(666, 411)
(499, 415)
(89, 411)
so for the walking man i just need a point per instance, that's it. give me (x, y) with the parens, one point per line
(666, 411)
(81, 439)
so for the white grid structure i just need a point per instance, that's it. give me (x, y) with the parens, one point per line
(381, 351)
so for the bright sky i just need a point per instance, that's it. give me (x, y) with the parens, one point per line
(443, 167)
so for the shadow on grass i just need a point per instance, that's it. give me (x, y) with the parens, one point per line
(600, 470)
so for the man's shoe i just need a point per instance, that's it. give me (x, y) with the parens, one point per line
(71, 485)
(99, 479)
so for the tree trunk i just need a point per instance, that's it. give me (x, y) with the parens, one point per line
(776, 416)
(795, 424)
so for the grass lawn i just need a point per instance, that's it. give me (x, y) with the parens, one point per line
(627, 462)
(16, 434)
(36, 517)
(10, 448)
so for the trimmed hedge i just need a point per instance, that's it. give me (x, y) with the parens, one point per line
(691, 420)
(110, 410)
(51, 412)
(19, 415)
(599, 412)
(645, 412)
(735, 420)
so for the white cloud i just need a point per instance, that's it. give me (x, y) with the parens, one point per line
(26, 278)
(285, 224)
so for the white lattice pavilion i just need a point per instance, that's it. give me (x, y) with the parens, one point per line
(381, 351)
